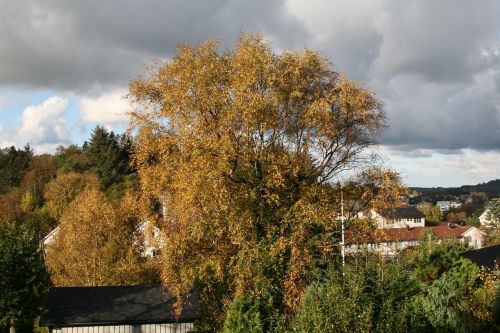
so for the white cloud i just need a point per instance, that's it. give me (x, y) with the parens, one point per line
(431, 168)
(107, 109)
(482, 166)
(43, 125)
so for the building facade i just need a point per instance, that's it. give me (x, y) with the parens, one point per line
(117, 309)
(397, 218)
(388, 242)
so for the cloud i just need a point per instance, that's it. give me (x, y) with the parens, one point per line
(431, 168)
(437, 73)
(434, 64)
(439, 40)
(425, 115)
(106, 109)
(43, 125)
(481, 166)
(86, 45)
(345, 31)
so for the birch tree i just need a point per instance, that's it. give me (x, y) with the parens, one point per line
(242, 146)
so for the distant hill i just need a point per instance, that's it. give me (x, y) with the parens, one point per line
(492, 187)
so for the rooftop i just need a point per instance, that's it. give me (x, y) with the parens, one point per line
(403, 213)
(485, 256)
(114, 305)
(404, 234)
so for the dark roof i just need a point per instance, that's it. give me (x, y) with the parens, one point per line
(124, 305)
(485, 256)
(403, 213)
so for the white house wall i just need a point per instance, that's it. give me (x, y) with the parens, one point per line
(403, 223)
(384, 223)
(147, 328)
(474, 237)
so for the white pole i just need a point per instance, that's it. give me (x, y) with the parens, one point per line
(342, 245)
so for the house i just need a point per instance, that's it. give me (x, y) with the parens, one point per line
(50, 238)
(150, 239)
(398, 218)
(117, 309)
(487, 220)
(388, 242)
(487, 256)
(444, 206)
(447, 205)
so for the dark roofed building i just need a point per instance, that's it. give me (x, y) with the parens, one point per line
(399, 218)
(117, 309)
(487, 256)
(403, 213)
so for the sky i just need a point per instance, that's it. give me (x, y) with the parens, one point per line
(435, 65)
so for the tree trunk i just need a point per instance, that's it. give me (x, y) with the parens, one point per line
(12, 327)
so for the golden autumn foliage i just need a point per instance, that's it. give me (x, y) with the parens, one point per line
(241, 146)
(62, 190)
(96, 245)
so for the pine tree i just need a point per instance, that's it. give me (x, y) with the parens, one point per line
(108, 156)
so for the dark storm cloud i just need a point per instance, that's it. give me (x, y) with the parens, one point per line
(443, 41)
(76, 45)
(437, 72)
(434, 64)
(442, 117)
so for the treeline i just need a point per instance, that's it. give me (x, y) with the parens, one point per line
(25, 177)
(89, 194)
(491, 188)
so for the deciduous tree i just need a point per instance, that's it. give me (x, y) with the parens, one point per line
(456, 217)
(62, 190)
(492, 227)
(432, 214)
(71, 159)
(96, 245)
(241, 146)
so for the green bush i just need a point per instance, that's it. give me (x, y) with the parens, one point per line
(244, 316)
(337, 304)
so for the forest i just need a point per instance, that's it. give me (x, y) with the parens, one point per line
(239, 158)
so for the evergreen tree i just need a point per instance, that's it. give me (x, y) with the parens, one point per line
(12, 164)
(108, 155)
(492, 226)
(23, 279)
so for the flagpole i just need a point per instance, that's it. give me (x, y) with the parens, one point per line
(342, 245)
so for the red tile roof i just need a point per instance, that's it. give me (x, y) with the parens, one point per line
(404, 234)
